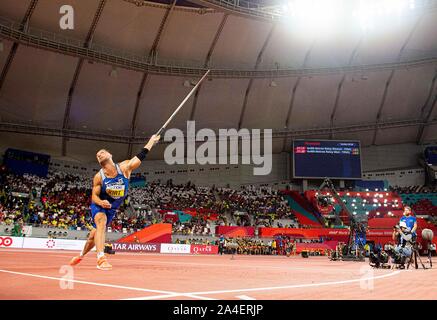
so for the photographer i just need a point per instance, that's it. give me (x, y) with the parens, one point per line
(409, 220)
(403, 236)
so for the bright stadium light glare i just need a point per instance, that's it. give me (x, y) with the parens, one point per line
(318, 17)
(412, 4)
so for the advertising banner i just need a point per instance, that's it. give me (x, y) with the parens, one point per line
(137, 247)
(11, 242)
(54, 244)
(175, 248)
(335, 234)
(203, 249)
(234, 231)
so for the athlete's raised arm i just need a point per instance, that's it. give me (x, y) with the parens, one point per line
(128, 166)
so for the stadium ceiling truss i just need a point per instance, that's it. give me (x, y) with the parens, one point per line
(390, 77)
(153, 53)
(249, 85)
(207, 61)
(262, 12)
(79, 65)
(22, 28)
(139, 139)
(21, 34)
(293, 93)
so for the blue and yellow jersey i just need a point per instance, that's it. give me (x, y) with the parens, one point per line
(114, 189)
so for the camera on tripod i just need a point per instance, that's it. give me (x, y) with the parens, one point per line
(108, 249)
(379, 259)
(324, 200)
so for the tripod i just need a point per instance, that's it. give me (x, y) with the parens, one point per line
(416, 256)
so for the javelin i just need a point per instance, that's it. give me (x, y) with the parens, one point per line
(182, 104)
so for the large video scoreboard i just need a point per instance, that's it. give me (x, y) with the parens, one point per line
(326, 159)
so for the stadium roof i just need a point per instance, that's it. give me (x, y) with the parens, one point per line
(127, 64)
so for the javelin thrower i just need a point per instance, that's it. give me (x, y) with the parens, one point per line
(110, 187)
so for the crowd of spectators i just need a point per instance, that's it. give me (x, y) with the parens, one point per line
(264, 205)
(194, 227)
(414, 189)
(204, 241)
(256, 201)
(175, 196)
(62, 200)
(59, 200)
(280, 245)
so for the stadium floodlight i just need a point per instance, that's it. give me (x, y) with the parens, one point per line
(317, 17)
(412, 4)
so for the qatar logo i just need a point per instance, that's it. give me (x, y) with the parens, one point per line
(197, 249)
(50, 244)
(203, 249)
(5, 241)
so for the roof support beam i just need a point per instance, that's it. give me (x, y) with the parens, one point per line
(422, 128)
(58, 43)
(207, 61)
(293, 93)
(249, 85)
(79, 65)
(390, 77)
(277, 134)
(151, 55)
(13, 51)
(340, 84)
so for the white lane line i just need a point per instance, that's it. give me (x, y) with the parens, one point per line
(244, 297)
(153, 297)
(208, 265)
(90, 283)
(167, 294)
(203, 293)
(256, 267)
(294, 285)
(171, 296)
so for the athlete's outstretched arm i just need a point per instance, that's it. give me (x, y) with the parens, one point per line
(129, 165)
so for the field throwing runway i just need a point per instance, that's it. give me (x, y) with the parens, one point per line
(37, 274)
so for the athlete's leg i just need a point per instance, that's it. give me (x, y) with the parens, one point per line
(100, 220)
(87, 248)
(90, 243)
(99, 237)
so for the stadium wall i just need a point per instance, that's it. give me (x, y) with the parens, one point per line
(375, 159)
(390, 156)
(207, 175)
(401, 178)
